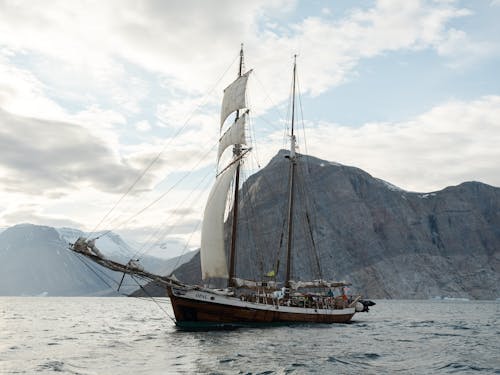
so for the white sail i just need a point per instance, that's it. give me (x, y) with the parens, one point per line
(234, 97)
(234, 135)
(213, 255)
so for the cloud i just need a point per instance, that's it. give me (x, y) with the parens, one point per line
(96, 41)
(26, 214)
(46, 150)
(22, 93)
(165, 239)
(462, 51)
(453, 142)
(330, 50)
(39, 156)
(95, 37)
(143, 126)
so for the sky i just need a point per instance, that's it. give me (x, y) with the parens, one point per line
(109, 111)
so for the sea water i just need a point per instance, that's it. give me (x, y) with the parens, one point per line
(135, 336)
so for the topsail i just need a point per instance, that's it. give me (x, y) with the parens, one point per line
(234, 135)
(234, 97)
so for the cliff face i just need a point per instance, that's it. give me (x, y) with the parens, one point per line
(388, 242)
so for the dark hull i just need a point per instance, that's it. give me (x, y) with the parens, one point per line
(193, 313)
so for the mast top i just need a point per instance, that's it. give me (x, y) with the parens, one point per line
(293, 144)
(242, 63)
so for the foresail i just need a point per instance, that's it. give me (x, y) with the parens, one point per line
(234, 135)
(213, 255)
(234, 97)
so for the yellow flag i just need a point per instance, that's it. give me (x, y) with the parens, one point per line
(271, 273)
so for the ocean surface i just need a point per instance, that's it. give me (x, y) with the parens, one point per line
(135, 336)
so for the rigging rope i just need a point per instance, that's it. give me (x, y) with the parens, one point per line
(144, 249)
(246, 198)
(306, 222)
(153, 299)
(306, 151)
(82, 259)
(161, 196)
(274, 106)
(155, 159)
(186, 246)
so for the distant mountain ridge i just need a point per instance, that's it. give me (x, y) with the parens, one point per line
(35, 260)
(388, 242)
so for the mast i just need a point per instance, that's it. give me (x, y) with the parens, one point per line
(291, 182)
(236, 154)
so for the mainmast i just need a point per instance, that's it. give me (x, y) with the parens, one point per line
(291, 181)
(236, 154)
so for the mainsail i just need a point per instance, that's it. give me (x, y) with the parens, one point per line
(213, 254)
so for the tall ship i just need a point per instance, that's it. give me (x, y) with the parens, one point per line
(225, 299)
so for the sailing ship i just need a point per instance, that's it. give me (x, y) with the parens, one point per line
(242, 301)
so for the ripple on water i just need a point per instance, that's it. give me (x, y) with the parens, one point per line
(56, 366)
(456, 367)
(336, 360)
(226, 360)
(436, 334)
(461, 327)
(59, 366)
(146, 337)
(423, 323)
(367, 356)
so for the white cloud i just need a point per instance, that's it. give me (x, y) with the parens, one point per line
(91, 41)
(143, 126)
(39, 156)
(461, 51)
(330, 50)
(452, 143)
(92, 37)
(31, 215)
(22, 93)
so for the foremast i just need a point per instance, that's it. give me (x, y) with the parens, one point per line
(214, 263)
(234, 227)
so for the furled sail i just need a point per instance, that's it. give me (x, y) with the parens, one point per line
(234, 97)
(234, 135)
(213, 255)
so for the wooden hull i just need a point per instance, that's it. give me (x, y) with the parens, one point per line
(195, 308)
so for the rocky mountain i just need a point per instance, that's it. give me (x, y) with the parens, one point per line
(388, 242)
(35, 260)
